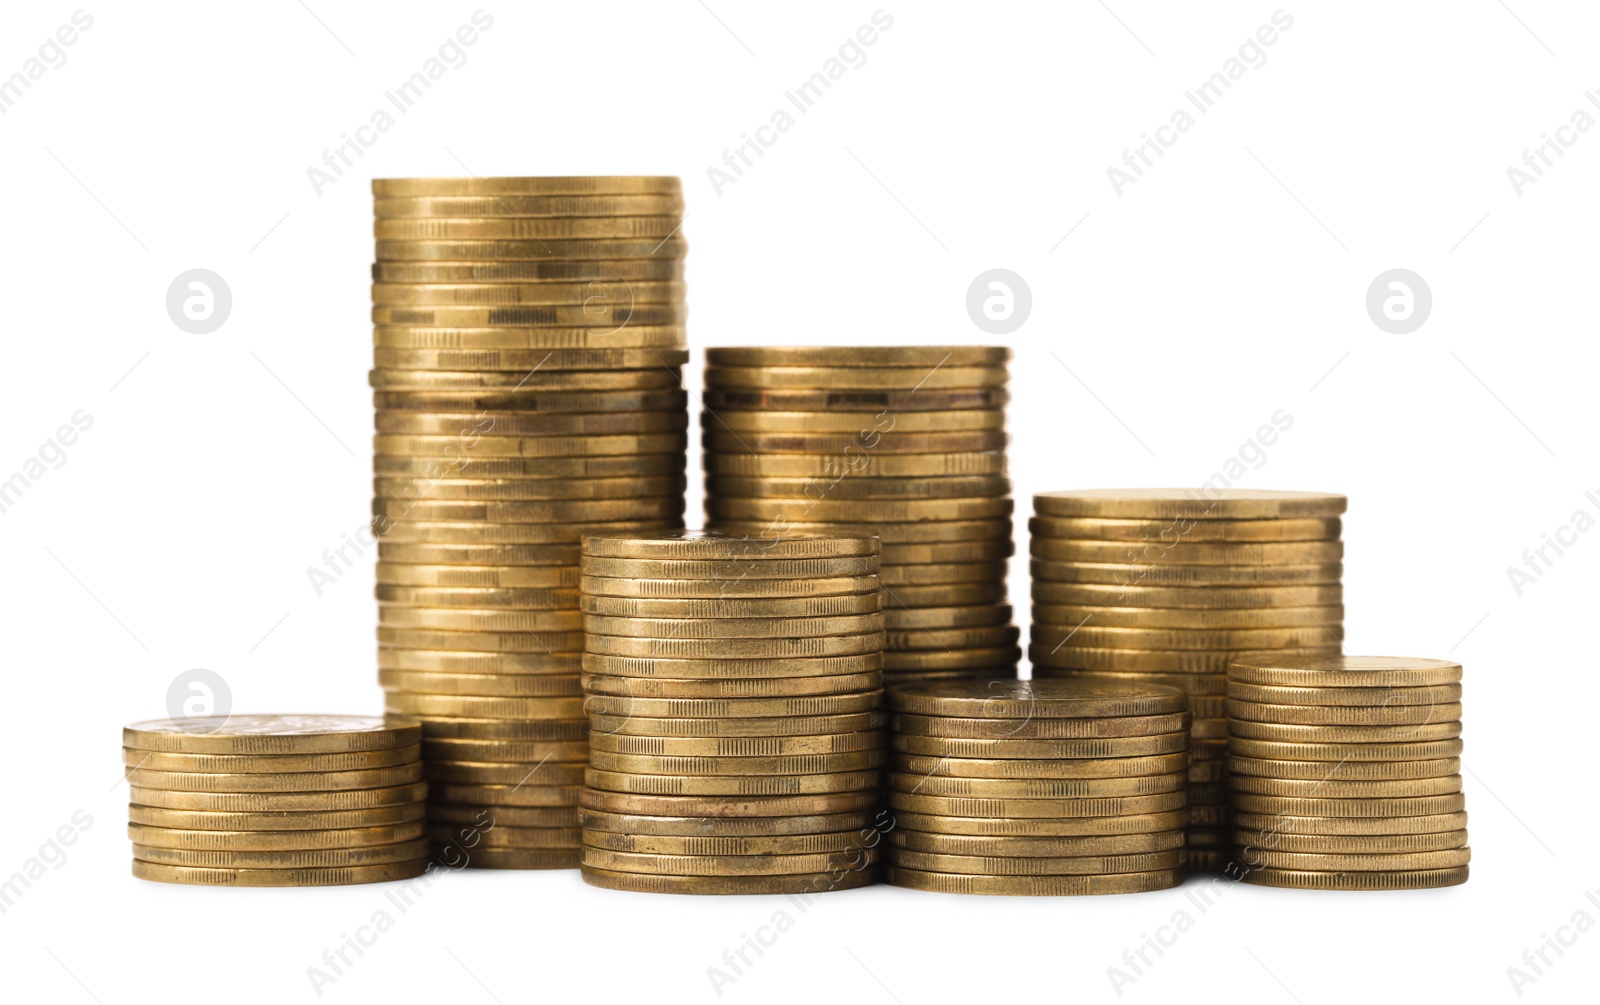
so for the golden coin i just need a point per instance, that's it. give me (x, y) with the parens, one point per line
(782, 844)
(1036, 827)
(1345, 715)
(317, 858)
(274, 841)
(829, 470)
(683, 669)
(487, 818)
(442, 728)
(1351, 844)
(470, 338)
(278, 877)
(530, 795)
(791, 764)
(923, 619)
(754, 567)
(1187, 553)
(269, 734)
(1000, 661)
(601, 317)
(731, 628)
(1121, 746)
(1308, 806)
(950, 572)
(1426, 879)
(699, 546)
(274, 820)
(737, 746)
(600, 826)
(1339, 788)
(802, 400)
(1155, 660)
(542, 773)
(1194, 504)
(487, 642)
(1196, 685)
(533, 446)
(1346, 770)
(569, 228)
(524, 362)
(548, 271)
(531, 512)
(855, 423)
(1090, 635)
(738, 687)
(1181, 529)
(721, 865)
(943, 595)
(424, 471)
(596, 291)
(398, 553)
(993, 637)
(1106, 806)
(558, 382)
(483, 187)
(956, 551)
(1036, 865)
(263, 781)
(1189, 598)
(1088, 768)
(551, 250)
(514, 858)
(471, 532)
(728, 806)
(470, 836)
(258, 802)
(1036, 727)
(479, 577)
(757, 607)
(896, 378)
(1033, 886)
(502, 205)
(636, 725)
(468, 620)
(1412, 733)
(933, 531)
(862, 356)
(360, 760)
(1346, 697)
(1286, 670)
(518, 489)
(1166, 574)
(722, 589)
(873, 442)
(540, 401)
(844, 645)
(434, 661)
(1069, 616)
(1035, 699)
(1029, 847)
(523, 751)
(1035, 788)
(472, 706)
(716, 708)
(803, 883)
(508, 685)
(413, 422)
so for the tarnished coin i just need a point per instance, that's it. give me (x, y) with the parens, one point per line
(706, 546)
(469, 836)
(269, 734)
(988, 637)
(532, 793)
(911, 620)
(1310, 806)
(491, 857)
(486, 819)
(1339, 788)
(471, 532)
(1033, 886)
(534, 511)
(544, 773)
(314, 858)
(987, 663)
(1349, 844)
(1106, 806)
(726, 865)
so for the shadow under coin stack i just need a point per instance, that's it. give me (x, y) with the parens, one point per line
(529, 338)
(735, 693)
(275, 800)
(1170, 586)
(1045, 788)
(1345, 773)
(907, 443)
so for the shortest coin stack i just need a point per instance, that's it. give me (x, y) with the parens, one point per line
(735, 700)
(1044, 788)
(275, 800)
(1344, 773)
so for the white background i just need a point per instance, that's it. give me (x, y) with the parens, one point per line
(1226, 284)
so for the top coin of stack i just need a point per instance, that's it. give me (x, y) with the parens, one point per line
(1170, 586)
(735, 693)
(1345, 772)
(275, 800)
(529, 338)
(1050, 787)
(907, 443)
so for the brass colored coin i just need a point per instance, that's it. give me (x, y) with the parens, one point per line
(523, 362)
(543, 773)
(518, 751)
(573, 250)
(1120, 746)
(1033, 886)
(478, 577)
(318, 858)
(1418, 733)
(491, 642)
(754, 567)
(716, 708)
(1028, 847)
(1194, 504)
(860, 510)
(737, 746)
(531, 338)
(1424, 879)
(896, 378)
(1308, 806)
(360, 760)
(1093, 636)
(1036, 865)
(1157, 660)
(1135, 594)
(475, 706)
(930, 532)
(736, 687)
(707, 546)
(1339, 788)
(274, 820)
(1106, 806)
(844, 444)
(1346, 697)
(526, 206)
(1037, 827)
(478, 446)
(803, 883)
(1036, 788)
(635, 725)
(277, 877)
(469, 836)
(856, 423)
(413, 422)
(563, 511)
(1345, 715)
(730, 847)
(913, 620)
(943, 595)
(802, 400)
(486, 819)
(468, 619)
(993, 637)
(1070, 616)
(1184, 530)
(600, 826)
(397, 553)
(547, 271)
(684, 669)
(986, 663)
(722, 589)
(733, 628)
(1351, 844)
(424, 471)
(1186, 553)
(263, 781)
(503, 685)
(1286, 670)
(530, 795)
(1167, 574)
(604, 316)
(489, 857)
(439, 661)
(570, 228)
(447, 728)
(948, 572)
(472, 532)
(269, 734)
(758, 648)
(258, 802)
(1345, 770)
(755, 607)
(274, 841)
(1089, 768)
(795, 764)
(728, 806)
(958, 551)
(732, 784)
(504, 490)
(484, 187)
(1034, 699)
(857, 462)
(1212, 685)
(1038, 727)
(863, 356)
(555, 381)
(721, 865)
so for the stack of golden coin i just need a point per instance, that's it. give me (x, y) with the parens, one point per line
(1170, 586)
(907, 443)
(1345, 772)
(529, 343)
(1051, 787)
(275, 800)
(735, 693)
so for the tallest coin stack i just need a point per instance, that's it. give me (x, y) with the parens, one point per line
(529, 341)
